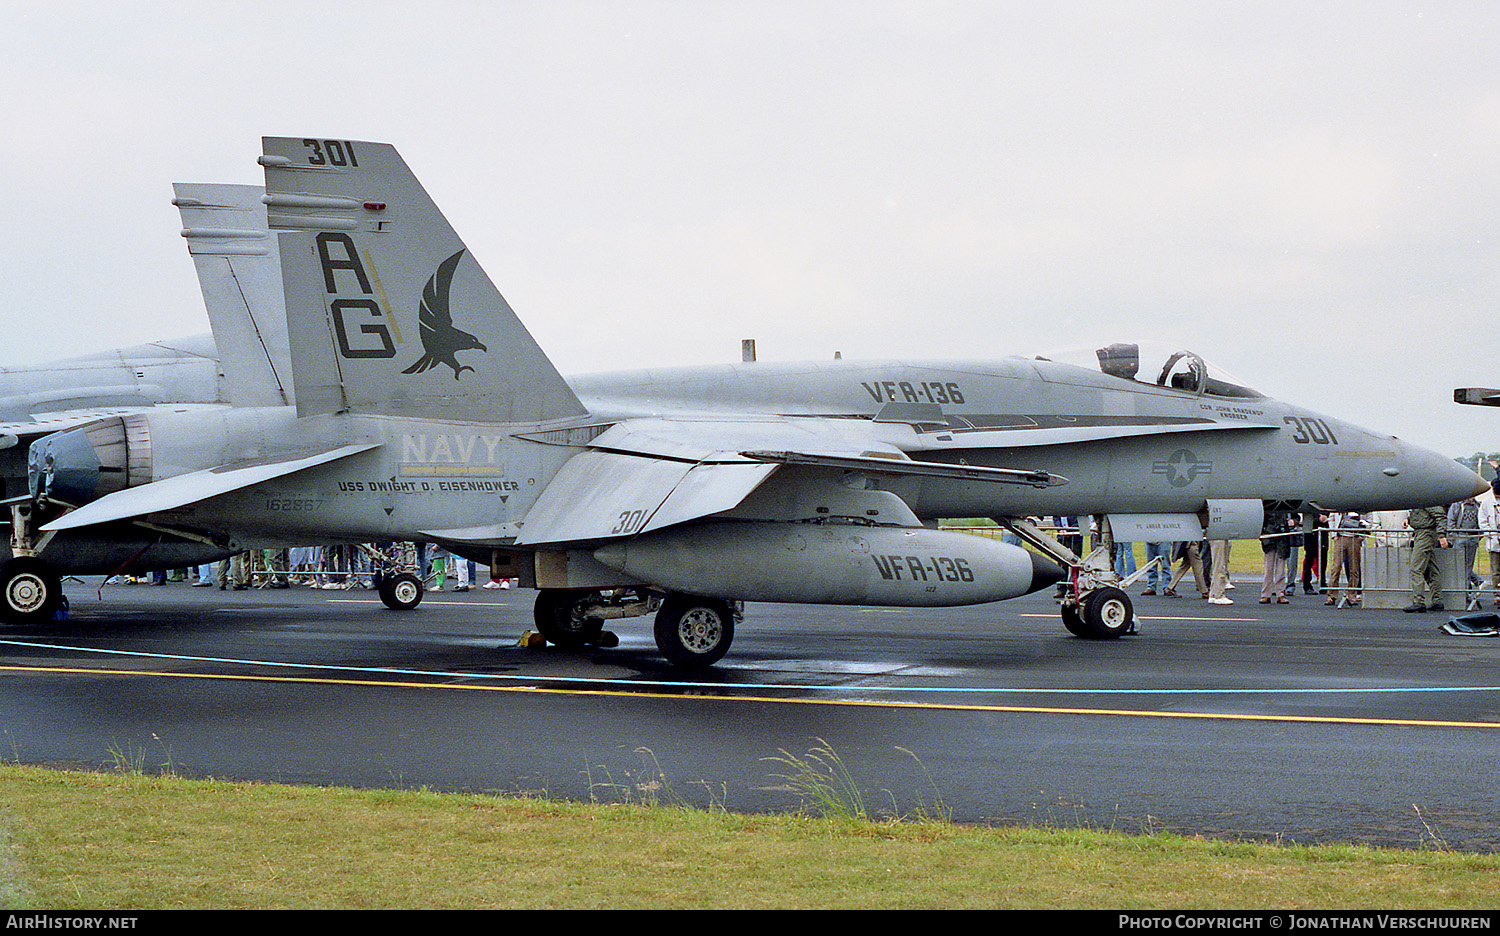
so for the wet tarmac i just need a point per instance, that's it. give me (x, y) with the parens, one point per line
(1295, 722)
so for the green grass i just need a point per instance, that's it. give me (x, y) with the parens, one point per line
(130, 840)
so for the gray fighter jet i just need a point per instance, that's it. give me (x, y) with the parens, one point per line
(183, 370)
(239, 271)
(684, 492)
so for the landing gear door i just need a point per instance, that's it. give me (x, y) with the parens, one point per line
(1234, 519)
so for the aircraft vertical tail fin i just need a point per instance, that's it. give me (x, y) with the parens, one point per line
(387, 311)
(239, 271)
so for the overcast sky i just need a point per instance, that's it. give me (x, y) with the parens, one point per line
(1309, 197)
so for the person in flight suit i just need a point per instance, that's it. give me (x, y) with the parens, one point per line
(1429, 532)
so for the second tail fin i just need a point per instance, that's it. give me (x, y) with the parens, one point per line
(239, 271)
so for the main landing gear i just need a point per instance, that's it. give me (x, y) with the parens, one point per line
(398, 590)
(562, 618)
(691, 632)
(694, 632)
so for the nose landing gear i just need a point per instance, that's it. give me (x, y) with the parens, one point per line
(30, 590)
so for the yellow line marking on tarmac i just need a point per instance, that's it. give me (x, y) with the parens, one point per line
(855, 703)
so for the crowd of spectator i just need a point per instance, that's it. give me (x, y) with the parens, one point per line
(1319, 551)
(329, 567)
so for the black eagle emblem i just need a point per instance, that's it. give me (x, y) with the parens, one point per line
(441, 342)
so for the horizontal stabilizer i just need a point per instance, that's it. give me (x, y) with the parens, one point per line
(1477, 396)
(182, 490)
(605, 495)
(120, 396)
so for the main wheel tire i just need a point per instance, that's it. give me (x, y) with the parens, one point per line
(556, 622)
(1107, 614)
(401, 592)
(694, 632)
(1072, 617)
(30, 590)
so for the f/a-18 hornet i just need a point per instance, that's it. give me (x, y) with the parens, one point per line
(424, 410)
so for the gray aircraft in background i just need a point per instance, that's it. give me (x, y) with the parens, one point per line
(183, 370)
(419, 407)
(239, 272)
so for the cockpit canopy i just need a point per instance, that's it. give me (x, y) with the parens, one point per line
(1156, 363)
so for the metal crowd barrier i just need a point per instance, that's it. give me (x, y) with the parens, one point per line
(1385, 564)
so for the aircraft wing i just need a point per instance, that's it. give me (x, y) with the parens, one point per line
(603, 495)
(645, 474)
(185, 489)
(898, 429)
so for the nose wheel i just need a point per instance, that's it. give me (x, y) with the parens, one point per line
(400, 592)
(1101, 614)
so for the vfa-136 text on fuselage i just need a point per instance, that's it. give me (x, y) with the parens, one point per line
(419, 407)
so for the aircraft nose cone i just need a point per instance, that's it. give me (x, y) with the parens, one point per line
(1469, 482)
(1444, 481)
